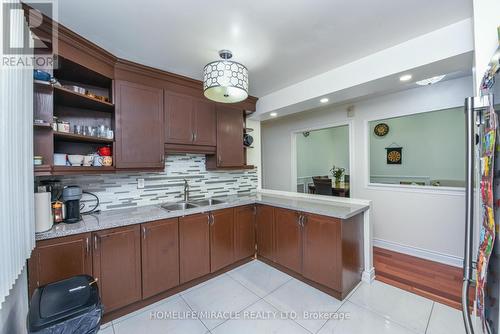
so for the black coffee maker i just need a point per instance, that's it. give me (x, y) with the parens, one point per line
(71, 197)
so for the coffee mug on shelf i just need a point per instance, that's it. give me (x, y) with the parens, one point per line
(107, 161)
(60, 159)
(88, 160)
(97, 160)
(104, 150)
(75, 159)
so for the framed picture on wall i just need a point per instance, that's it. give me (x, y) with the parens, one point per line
(394, 155)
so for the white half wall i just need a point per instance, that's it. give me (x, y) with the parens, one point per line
(427, 219)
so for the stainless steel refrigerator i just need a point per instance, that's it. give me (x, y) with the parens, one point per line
(481, 285)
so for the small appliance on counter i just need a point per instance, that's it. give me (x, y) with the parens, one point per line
(43, 212)
(71, 196)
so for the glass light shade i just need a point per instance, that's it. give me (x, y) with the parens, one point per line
(225, 81)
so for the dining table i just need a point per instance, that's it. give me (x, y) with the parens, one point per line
(341, 189)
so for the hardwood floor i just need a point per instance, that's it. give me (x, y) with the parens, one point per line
(439, 282)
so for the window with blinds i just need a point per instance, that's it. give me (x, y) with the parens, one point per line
(16, 163)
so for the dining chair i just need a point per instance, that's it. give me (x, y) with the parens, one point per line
(323, 186)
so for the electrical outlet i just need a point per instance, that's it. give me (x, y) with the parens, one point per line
(140, 183)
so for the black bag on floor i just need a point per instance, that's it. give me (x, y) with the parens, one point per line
(70, 306)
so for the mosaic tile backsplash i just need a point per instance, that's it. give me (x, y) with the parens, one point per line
(117, 191)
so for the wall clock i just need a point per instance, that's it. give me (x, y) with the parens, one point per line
(381, 129)
(394, 155)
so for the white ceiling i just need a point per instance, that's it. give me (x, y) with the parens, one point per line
(281, 42)
(454, 67)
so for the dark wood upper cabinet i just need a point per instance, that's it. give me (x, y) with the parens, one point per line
(189, 120)
(322, 250)
(179, 118)
(244, 231)
(117, 266)
(221, 239)
(139, 126)
(194, 246)
(264, 224)
(230, 149)
(288, 239)
(57, 259)
(160, 256)
(205, 123)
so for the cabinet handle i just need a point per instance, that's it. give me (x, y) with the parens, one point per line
(219, 160)
(87, 246)
(192, 136)
(144, 232)
(304, 220)
(95, 241)
(208, 219)
(213, 218)
(255, 210)
(299, 220)
(195, 135)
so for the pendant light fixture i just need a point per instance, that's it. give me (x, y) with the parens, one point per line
(225, 80)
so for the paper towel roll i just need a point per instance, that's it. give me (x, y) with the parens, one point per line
(43, 212)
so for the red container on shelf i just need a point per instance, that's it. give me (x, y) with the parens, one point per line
(104, 151)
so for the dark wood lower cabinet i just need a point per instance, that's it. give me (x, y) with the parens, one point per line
(264, 229)
(57, 259)
(221, 239)
(244, 231)
(288, 239)
(194, 246)
(160, 256)
(117, 266)
(140, 264)
(322, 250)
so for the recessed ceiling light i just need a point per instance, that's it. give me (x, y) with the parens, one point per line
(273, 114)
(406, 77)
(324, 100)
(430, 81)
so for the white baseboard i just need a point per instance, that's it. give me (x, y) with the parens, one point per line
(368, 276)
(451, 260)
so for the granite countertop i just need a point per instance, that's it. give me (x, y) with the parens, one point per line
(122, 217)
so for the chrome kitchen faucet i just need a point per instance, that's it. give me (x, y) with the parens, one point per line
(186, 190)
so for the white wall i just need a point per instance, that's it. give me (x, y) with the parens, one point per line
(486, 21)
(433, 145)
(15, 308)
(421, 219)
(318, 152)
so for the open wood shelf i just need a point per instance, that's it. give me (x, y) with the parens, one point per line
(42, 125)
(42, 83)
(66, 97)
(68, 70)
(64, 170)
(72, 137)
(42, 170)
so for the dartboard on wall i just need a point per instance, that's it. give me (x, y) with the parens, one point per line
(394, 155)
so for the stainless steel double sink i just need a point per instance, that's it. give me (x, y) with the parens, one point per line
(191, 204)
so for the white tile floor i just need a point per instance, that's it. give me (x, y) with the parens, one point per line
(256, 298)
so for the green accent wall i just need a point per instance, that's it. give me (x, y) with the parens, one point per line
(433, 147)
(318, 152)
